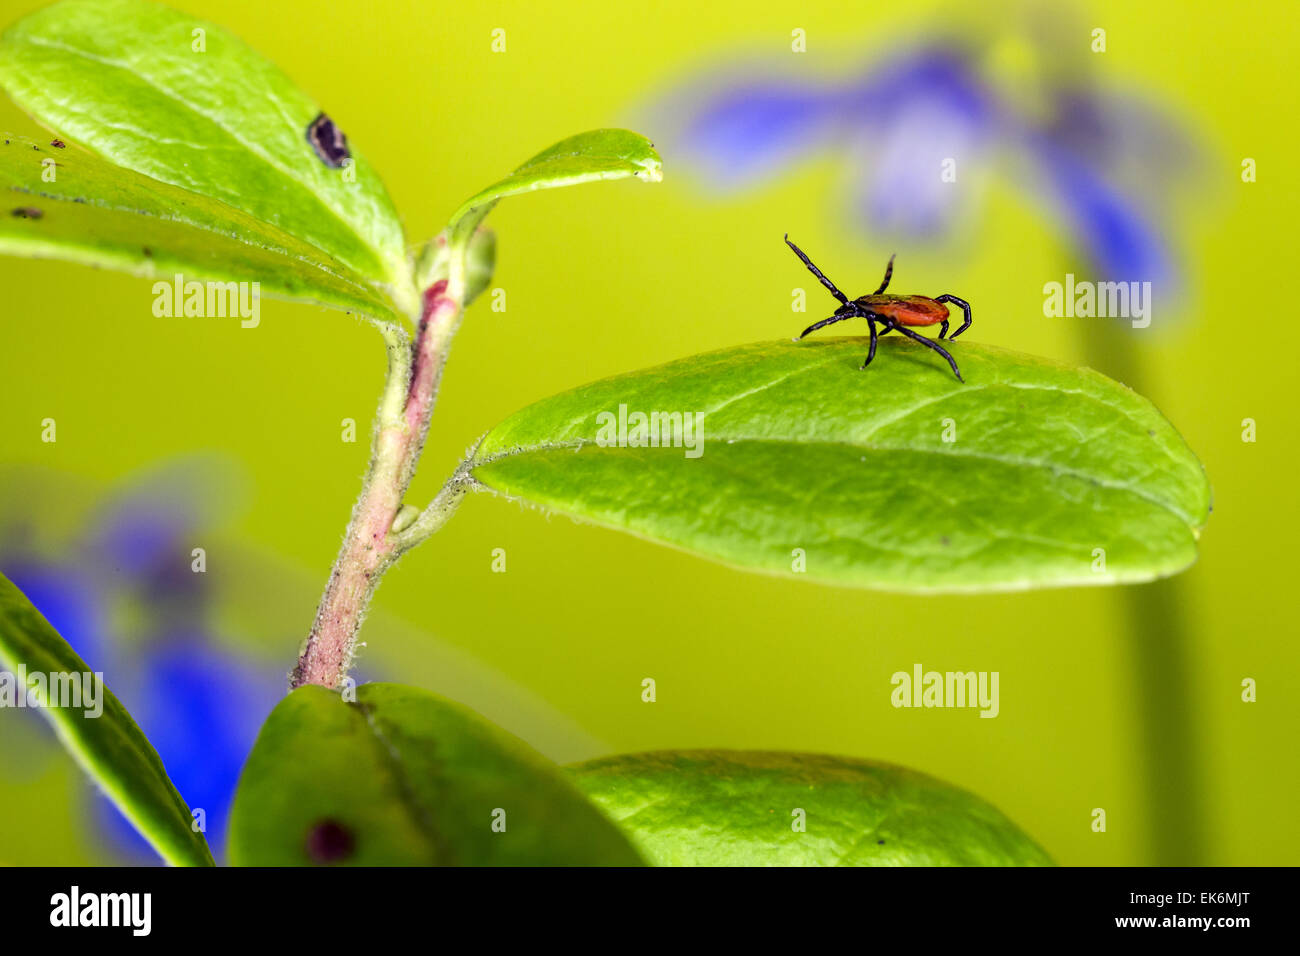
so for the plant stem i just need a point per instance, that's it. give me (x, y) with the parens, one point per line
(1160, 638)
(369, 546)
(440, 509)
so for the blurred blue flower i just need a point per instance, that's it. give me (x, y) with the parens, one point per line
(201, 708)
(1104, 166)
(66, 596)
(123, 594)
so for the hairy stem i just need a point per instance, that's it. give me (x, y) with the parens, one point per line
(440, 509)
(370, 546)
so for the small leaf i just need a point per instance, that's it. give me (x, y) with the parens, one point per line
(403, 777)
(585, 158)
(759, 808)
(185, 102)
(897, 477)
(480, 261)
(110, 747)
(99, 214)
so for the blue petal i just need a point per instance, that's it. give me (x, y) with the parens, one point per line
(67, 598)
(136, 535)
(69, 601)
(1115, 231)
(152, 519)
(736, 133)
(915, 114)
(202, 712)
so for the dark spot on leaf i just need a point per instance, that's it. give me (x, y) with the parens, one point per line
(944, 540)
(27, 212)
(147, 252)
(328, 141)
(329, 841)
(58, 143)
(880, 843)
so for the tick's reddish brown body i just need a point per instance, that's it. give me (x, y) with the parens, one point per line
(905, 309)
(895, 312)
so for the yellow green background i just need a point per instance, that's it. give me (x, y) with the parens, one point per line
(614, 277)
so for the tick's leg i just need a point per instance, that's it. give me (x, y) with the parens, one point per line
(817, 272)
(889, 271)
(943, 328)
(871, 350)
(837, 317)
(929, 344)
(965, 307)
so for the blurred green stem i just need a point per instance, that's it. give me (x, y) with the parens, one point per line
(1159, 640)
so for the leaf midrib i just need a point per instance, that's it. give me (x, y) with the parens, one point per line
(976, 456)
(391, 757)
(816, 363)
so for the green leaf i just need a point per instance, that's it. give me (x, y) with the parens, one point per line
(589, 157)
(127, 79)
(740, 808)
(403, 777)
(99, 214)
(805, 457)
(480, 261)
(109, 745)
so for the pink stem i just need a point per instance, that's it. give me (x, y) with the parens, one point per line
(368, 548)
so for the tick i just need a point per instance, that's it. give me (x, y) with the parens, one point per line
(328, 141)
(894, 312)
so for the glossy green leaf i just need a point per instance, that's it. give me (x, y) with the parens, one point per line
(183, 101)
(759, 808)
(403, 777)
(898, 477)
(99, 214)
(590, 157)
(103, 738)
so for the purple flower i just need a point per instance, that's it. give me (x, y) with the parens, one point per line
(201, 707)
(199, 703)
(926, 128)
